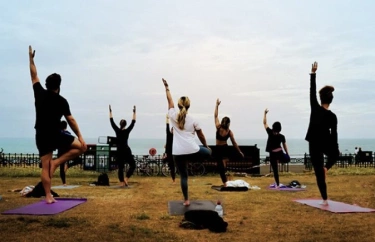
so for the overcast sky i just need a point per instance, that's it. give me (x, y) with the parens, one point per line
(251, 54)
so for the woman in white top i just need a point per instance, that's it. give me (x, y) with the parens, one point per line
(184, 147)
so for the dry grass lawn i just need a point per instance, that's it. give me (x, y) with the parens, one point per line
(140, 213)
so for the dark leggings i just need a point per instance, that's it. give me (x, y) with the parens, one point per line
(221, 154)
(275, 157)
(62, 173)
(71, 163)
(181, 162)
(172, 166)
(317, 153)
(125, 156)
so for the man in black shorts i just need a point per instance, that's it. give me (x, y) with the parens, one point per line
(50, 107)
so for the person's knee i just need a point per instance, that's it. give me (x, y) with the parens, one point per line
(83, 149)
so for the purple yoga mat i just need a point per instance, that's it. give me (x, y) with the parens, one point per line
(334, 207)
(290, 189)
(42, 208)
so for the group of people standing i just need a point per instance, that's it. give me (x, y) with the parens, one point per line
(181, 146)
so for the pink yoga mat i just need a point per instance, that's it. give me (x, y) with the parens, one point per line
(334, 207)
(42, 208)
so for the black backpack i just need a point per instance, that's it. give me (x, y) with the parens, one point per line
(204, 219)
(103, 180)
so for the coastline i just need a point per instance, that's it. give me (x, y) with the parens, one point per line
(297, 147)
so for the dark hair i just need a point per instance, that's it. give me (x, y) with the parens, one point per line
(122, 123)
(63, 125)
(53, 82)
(326, 95)
(276, 127)
(225, 123)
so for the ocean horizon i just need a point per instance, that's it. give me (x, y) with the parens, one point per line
(297, 147)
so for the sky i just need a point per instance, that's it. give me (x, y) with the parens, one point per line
(250, 54)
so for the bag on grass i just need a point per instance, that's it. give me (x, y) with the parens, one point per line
(103, 180)
(202, 219)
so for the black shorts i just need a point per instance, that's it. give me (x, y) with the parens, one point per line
(221, 152)
(47, 143)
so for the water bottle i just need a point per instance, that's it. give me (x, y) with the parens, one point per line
(219, 209)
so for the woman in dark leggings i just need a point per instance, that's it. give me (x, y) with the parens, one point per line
(322, 133)
(184, 147)
(124, 153)
(273, 146)
(223, 133)
(168, 157)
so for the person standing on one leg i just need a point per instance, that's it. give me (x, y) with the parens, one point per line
(168, 151)
(322, 133)
(223, 133)
(50, 107)
(124, 153)
(184, 147)
(273, 146)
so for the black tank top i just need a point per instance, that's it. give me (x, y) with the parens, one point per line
(222, 138)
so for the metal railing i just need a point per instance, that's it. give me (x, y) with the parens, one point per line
(104, 163)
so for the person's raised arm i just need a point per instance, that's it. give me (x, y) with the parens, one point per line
(33, 72)
(169, 96)
(74, 126)
(313, 100)
(134, 113)
(216, 114)
(265, 119)
(114, 126)
(131, 126)
(234, 143)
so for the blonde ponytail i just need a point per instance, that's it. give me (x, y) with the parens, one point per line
(183, 105)
(181, 118)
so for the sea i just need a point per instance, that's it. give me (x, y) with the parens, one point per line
(297, 147)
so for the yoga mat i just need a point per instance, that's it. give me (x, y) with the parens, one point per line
(334, 207)
(120, 187)
(42, 208)
(65, 187)
(289, 189)
(230, 189)
(177, 207)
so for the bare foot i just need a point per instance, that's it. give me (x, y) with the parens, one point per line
(64, 185)
(122, 184)
(324, 203)
(50, 199)
(126, 181)
(173, 182)
(186, 203)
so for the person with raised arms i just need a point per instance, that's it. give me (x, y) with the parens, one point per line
(184, 147)
(223, 133)
(123, 153)
(50, 107)
(322, 133)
